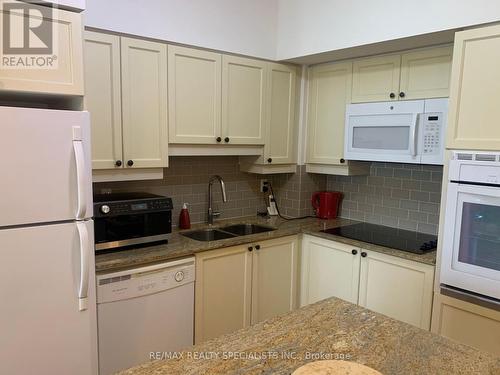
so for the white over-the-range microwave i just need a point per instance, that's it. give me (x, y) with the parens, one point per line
(404, 132)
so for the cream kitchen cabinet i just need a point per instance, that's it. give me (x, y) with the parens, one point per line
(144, 99)
(396, 287)
(475, 89)
(103, 97)
(61, 71)
(126, 95)
(416, 74)
(244, 97)
(242, 285)
(393, 286)
(467, 323)
(329, 93)
(194, 96)
(223, 292)
(376, 79)
(329, 269)
(279, 154)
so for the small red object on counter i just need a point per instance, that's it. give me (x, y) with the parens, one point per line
(184, 220)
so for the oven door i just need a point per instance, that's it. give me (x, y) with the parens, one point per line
(471, 245)
(131, 229)
(376, 133)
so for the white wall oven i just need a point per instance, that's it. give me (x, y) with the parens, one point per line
(471, 243)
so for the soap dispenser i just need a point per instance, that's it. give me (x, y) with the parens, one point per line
(184, 221)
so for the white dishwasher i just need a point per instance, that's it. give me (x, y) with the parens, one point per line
(144, 310)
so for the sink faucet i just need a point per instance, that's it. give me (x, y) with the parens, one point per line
(211, 213)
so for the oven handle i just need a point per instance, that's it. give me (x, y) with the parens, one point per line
(490, 303)
(413, 135)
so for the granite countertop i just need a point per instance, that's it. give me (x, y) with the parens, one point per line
(330, 329)
(179, 246)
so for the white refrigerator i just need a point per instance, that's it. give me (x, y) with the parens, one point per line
(47, 275)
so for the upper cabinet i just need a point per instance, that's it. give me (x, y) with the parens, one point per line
(281, 127)
(103, 97)
(376, 79)
(475, 89)
(329, 92)
(144, 103)
(280, 144)
(418, 74)
(194, 96)
(61, 71)
(126, 95)
(244, 90)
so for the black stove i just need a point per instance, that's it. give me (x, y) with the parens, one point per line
(413, 242)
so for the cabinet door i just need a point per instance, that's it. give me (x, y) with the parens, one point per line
(467, 323)
(244, 86)
(275, 276)
(144, 103)
(398, 288)
(222, 292)
(329, 269)
(329, 92)
(281, 127)
(62, 71)
(426, 73)
(103, 98)
(475, 89)
(194, 95)
(375, 79)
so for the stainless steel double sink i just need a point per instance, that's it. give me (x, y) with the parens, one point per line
(230, 231)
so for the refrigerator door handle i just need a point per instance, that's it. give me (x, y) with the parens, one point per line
(84, 265)
(81, 178)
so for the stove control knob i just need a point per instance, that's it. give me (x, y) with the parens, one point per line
(105, 209)
(179, 276)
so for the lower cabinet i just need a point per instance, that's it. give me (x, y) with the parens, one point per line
(467, 323)
(398, 288)
(242, 285)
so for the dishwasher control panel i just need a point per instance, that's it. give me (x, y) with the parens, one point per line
(143, 281)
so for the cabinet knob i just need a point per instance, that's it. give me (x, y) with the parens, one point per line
(270, 160)
(130, 163)
(118, 163)
(342, 160)
(226, 139)
(354, 251)
(257, 247)
(218, 139)
(363, 254)
(250, 248)
(402, 94)
(392, 95)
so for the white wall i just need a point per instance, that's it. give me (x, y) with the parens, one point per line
(240, 26)
(308, 27)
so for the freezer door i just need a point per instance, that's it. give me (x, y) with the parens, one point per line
(46, 327)
(45, 166)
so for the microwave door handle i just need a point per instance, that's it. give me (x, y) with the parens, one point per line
(413, 136)
(84, 244)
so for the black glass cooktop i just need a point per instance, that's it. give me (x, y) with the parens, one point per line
(413, 242)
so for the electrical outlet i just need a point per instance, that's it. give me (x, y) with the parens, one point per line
(264, 186)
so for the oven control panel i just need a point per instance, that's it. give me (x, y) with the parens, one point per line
(103, 209)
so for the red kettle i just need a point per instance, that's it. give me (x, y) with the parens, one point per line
(326, 203)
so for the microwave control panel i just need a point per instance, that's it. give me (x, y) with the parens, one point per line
(432, 132)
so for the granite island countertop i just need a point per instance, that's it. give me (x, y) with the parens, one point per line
(179, 246)
(329, 329)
